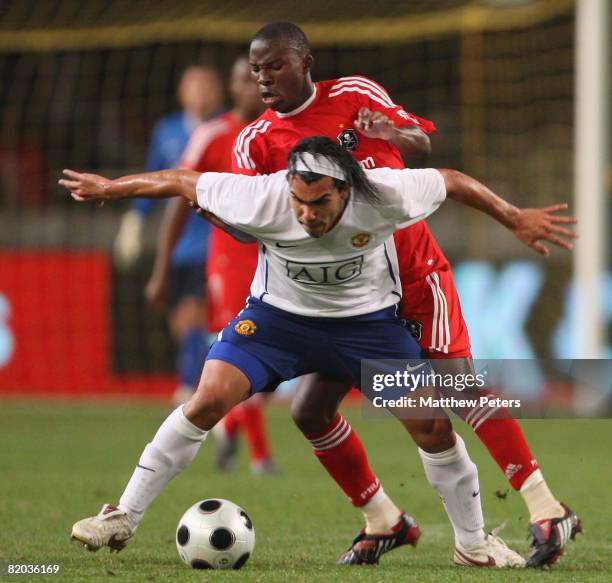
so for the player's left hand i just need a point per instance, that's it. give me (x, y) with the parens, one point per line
(374, 124)
(85, 187)
(532, 226)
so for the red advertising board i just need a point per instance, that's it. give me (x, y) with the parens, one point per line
(55, 326)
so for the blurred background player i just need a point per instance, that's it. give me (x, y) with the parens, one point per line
(361, 116)
(176, 280)
(230, 265)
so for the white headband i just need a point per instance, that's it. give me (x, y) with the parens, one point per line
(319, 164)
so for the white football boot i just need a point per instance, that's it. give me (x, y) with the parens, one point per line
(110, 528)
(493, 552)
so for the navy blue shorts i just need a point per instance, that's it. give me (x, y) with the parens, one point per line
(270, 345)
(185, 281)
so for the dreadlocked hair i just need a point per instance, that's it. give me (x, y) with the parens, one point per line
(321, 146)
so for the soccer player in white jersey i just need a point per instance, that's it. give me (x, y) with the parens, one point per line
(324, 229)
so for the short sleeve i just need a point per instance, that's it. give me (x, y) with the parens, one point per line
(409, 196)
(370, 94)
(249, 152)
(253, 204)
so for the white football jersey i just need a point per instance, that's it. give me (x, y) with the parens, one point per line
(349, 271)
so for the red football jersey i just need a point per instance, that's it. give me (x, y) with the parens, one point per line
(230, 265)
(262, 148)
(210, 144)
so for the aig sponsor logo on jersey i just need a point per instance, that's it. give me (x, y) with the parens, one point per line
(332, 273)
(348, 139)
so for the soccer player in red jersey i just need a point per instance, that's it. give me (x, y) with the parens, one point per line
(230, 265)
(359, 113)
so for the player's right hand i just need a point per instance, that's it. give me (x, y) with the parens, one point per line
(128, 242)
(374, 124)
(534, 225)
(84, 187)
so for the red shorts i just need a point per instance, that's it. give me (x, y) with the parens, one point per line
(429, 294)
(433, 304)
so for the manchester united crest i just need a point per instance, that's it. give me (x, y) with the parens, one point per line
(348, 139)
(360, 240)
(245, 327)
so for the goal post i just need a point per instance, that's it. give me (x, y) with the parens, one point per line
(592, 110)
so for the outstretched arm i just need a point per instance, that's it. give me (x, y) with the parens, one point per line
(530, 225)
(163, 184)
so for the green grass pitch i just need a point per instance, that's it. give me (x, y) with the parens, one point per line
(59, 462)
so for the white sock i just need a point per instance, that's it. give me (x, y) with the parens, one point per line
(173, 448)
(539, 499)
(380, 513)
(455, 477)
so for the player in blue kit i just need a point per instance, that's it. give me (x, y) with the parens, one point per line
(177, 284)
(323, 298)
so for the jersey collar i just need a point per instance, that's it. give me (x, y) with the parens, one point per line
(301, 108)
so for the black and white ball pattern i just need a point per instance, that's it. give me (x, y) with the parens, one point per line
(215, 534)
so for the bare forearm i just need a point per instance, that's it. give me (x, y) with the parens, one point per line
(411, 142)
(469, 192)
(162, 184)
(84, 187)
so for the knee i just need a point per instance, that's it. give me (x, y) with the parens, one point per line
(435, 436)
(207, 406)
(310, 419)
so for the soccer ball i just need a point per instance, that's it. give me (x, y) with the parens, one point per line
(215, 534)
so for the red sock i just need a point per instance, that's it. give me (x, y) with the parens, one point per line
(342, 454)
(504, 438)
(253, 423)
(231, 421)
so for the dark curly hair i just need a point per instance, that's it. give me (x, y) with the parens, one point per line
(322, 146)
